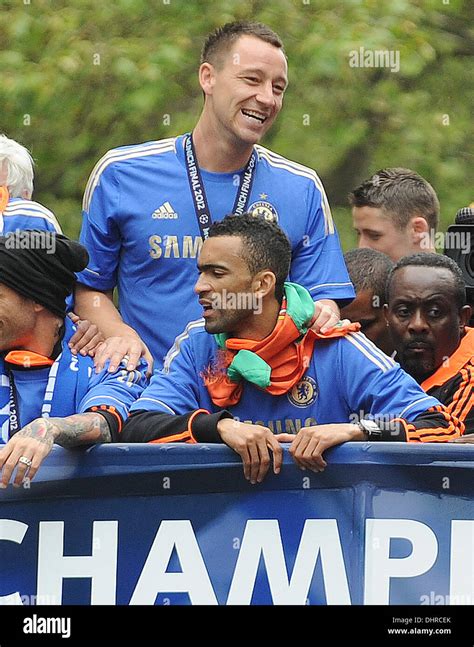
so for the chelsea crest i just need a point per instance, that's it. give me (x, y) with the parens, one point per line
(264, 209)
(304, 393)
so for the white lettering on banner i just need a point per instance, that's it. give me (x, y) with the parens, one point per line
(100, 567)
(380, 567)
(462, 562)
(11, 530)
(193, 578)
(261, 540)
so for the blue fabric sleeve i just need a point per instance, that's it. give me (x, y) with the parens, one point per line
(100, 232)
(375, 386)
(175, 388)
(118, 390)
(318, 263)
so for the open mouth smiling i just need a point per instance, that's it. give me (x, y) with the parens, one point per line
(252, 114)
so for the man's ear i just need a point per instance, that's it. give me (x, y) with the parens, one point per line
(206, 78)
(464, 315)
(263, 283)
(38, 307)
(385, 312)
(419, 229)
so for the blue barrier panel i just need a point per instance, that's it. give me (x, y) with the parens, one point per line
(385, 523)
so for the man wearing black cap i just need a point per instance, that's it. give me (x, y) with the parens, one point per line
(47, 394)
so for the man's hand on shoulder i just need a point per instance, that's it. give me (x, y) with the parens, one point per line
(126, 347)
(253, 443)
(308, 445)
(326, 315)
(87, 337)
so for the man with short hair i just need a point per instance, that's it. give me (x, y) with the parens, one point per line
(396, 212)
(368, 270)
(427, 316)
(48, 395)
(242, 374)
(147, 208)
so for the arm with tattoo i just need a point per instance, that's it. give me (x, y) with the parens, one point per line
(34, 442)
(79, 429)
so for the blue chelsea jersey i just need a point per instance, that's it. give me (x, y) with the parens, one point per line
(140, 228)
(27, 214)
(70, 386)
(348, 378)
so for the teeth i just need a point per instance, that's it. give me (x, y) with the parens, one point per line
(255, 115)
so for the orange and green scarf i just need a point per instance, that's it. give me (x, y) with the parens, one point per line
(274, 364)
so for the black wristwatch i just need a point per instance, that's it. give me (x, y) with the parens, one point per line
(371, 428)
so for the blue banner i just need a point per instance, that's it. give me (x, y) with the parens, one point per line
(385, 523)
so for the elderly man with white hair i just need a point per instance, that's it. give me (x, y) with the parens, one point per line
(17, 209)
(18, 212)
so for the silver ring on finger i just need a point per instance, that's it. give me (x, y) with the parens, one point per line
(26, 461)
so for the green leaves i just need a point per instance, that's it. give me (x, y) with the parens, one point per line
(87, 76)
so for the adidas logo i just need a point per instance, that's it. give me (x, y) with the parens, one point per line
(165, 211)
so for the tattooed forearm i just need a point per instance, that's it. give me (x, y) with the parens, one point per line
(79, 429)
(39, 430)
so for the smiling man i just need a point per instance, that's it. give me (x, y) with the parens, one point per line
(254, 376)
(147, 208)
(427, 317)
(48, 396)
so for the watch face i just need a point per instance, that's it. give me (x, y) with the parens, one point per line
(371, 428)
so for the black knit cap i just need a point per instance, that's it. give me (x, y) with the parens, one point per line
(40, 265)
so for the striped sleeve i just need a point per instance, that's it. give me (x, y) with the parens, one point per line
(379, 389)
(28, 214)
(278, 161)
(462, 403)
(435, 425)
(121, 154)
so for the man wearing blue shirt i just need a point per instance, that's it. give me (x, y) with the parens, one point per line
(17, 209)
(251, 374)
(147, 208)
(48, 395)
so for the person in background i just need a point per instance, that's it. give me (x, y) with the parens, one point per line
(396, 212)
(17, 209)
(427, 316)
(369, 270)
(19, 212)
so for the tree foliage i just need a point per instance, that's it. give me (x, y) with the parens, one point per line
(81, 76)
